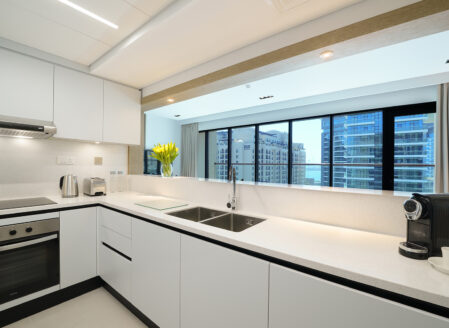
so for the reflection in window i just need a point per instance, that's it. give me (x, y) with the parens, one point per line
(357, 151)
(311, 152)
(273, 153)
(218, 154)
(151, 165)
(414, 159)
(243, 151)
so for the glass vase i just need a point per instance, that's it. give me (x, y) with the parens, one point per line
(166, 170)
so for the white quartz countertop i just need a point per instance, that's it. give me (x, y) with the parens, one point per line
(364, 257)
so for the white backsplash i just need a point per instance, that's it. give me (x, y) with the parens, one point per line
(28, 166)
(375, 211)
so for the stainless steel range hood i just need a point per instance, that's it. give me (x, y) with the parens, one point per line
(25, 128)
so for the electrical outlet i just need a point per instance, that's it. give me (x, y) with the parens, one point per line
(65, 160)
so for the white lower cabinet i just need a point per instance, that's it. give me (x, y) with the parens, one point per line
(156, 272)
(78, 244)
(115, 270)
(301, 300)
(221, 288)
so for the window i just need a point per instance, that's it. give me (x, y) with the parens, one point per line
(151, 165)
(357, 151)
(311, 152)
(218, 154)
(414, 161)
(243, 153)
(389, 148)
(273, 153)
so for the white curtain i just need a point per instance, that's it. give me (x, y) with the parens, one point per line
(189, 149)
(442, 141)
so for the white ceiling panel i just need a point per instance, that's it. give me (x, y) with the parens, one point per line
(127, 17)
(35, 31)
(202, 30)
(151, 7)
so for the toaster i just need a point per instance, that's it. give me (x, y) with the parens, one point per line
(94, 187)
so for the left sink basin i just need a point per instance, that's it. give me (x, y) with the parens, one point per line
(197, 214)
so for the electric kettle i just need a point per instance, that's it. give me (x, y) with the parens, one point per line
(69, 186)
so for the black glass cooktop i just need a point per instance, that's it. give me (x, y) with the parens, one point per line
(25, 202)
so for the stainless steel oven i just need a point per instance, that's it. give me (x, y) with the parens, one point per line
(29, 258)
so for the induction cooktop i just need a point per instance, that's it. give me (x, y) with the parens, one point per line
(25, 202)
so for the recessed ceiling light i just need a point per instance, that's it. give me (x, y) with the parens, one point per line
(88, 13)
(326, 54)
(177, 115)
(170, 100)
(265, 97)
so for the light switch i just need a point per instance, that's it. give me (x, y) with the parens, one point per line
(98, 160)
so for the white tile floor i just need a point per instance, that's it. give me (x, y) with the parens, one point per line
(97, 309)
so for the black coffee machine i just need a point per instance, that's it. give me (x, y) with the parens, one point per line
(427, 225)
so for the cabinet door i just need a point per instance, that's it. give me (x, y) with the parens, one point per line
(221, 288)
(155, 272)
(300, 300)
(121, 114)
(78, 243)
(26, 87)
(78, 105)
(115, 269)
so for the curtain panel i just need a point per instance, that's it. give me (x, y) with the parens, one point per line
(442, 141)
(189, 149)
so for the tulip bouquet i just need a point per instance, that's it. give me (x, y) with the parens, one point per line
(165, 154)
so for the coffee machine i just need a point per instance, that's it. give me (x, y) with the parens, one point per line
(427, 225)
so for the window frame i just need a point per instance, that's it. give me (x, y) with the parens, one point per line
(388, 117)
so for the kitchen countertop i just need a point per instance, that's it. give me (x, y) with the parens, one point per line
(364, 257)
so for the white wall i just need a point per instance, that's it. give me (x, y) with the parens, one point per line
(163, 130)
(369, 210)
(28, 166)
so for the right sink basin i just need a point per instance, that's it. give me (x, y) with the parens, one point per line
(233, 222)
(197, 214)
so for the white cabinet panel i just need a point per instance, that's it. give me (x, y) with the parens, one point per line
(121, 114)
(26, 87)
(115, 221)
(78, 106)
(115, 240)
(221, 288)
(155, 272)
(115, 270)
(300, 300)
(78, 243)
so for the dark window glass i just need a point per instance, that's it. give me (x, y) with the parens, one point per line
(273, 153)
(311, 152)
(218, 154)
(357, 151)
(414, 161)
(243, 156)
(151, 165)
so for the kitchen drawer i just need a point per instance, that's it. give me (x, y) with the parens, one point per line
(115, 269)
(115, 240)
(115, 221)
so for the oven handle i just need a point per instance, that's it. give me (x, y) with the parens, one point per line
(27, 243)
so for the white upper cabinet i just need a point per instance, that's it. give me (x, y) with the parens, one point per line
(78, 106)
(26, 87)
(121, 122)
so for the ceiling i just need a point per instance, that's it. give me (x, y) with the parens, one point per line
(418, 58)
(53, 27)
(156, 38)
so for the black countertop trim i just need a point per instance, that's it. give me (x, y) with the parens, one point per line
(383, 293)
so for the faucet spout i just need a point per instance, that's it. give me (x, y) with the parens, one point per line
(233, 202)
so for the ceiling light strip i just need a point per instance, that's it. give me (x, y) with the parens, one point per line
(89, 13)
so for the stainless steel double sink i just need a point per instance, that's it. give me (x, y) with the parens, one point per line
(224, 220)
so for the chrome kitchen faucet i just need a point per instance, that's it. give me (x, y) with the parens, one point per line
(233, 202)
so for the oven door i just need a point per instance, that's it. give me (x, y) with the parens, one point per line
(28, 265)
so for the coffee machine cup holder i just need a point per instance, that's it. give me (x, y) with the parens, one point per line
(413, 250)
